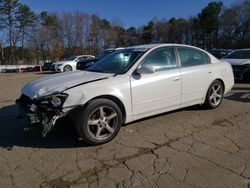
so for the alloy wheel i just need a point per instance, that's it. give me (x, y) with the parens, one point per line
(102, 123)
(215, 95)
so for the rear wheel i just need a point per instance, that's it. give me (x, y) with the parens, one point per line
(214, 95)
(67, 68)
(99, 121)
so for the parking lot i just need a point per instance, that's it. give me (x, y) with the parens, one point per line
(191, 147)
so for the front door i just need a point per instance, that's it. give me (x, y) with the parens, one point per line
(159, 91)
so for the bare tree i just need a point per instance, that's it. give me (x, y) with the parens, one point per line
(8, 12)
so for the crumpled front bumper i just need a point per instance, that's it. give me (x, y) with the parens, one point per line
(41, 116)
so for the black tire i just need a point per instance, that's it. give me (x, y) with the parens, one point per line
(212, 100)
(95, 123)
(67, 68)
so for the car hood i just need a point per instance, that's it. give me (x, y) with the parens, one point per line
(238, 61)
(60, 82)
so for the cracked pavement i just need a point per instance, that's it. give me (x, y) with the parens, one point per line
(190, 147)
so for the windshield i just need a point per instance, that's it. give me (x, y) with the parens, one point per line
(243, 54)
(117, 62)
(104, 53)
(71, 58)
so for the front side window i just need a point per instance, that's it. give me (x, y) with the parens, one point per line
(190, 57)
(244, 54)
(161, 59)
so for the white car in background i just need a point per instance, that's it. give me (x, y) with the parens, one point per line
(70, 63)
(127, 85)
(240, 61)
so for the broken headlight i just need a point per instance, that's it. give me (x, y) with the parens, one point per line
(55, 100)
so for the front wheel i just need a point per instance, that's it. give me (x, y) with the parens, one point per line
(99, 121)
(214, 95)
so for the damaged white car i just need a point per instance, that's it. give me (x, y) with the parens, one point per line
(240, 61)
(127, 85)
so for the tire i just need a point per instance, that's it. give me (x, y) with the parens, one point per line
(214, 95)
(99, 121)
(67, 68)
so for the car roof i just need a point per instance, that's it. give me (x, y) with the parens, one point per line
(113, 49)
(145, 46)
(150, 46)
(83, 55)
(77, 56)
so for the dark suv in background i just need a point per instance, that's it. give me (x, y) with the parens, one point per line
(82, 65)
(219, 53)
(240, 61)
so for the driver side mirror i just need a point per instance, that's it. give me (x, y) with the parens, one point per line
(146, 70)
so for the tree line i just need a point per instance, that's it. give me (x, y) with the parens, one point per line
(28, 37)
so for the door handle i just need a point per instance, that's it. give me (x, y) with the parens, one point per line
(209, 72)
(176, 78)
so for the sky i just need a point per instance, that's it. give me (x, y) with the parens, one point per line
(127, 12)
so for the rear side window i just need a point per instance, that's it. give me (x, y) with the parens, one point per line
(190, 57)
(206, 58)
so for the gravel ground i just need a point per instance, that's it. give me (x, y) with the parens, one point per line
(190, 147)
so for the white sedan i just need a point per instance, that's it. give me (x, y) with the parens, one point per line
(127, 85)
(70, 63)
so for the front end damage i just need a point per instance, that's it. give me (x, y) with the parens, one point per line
(45, 110)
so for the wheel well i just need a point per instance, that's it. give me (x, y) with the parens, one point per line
(221, 81)
(67, 65)
(115, 100)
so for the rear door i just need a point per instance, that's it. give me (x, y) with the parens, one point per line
(196, 71)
